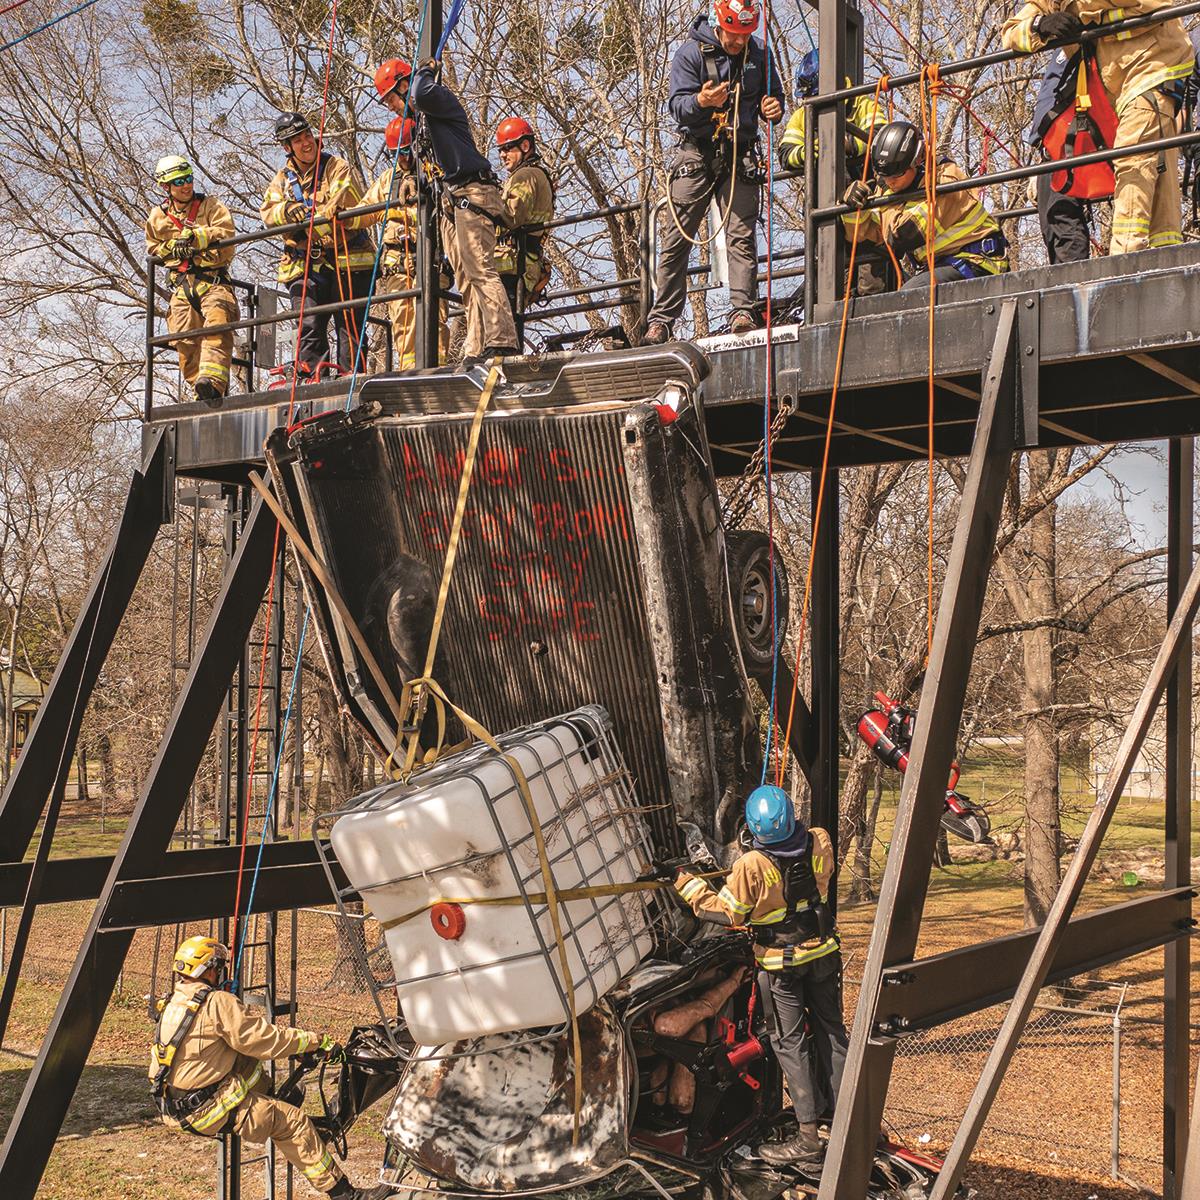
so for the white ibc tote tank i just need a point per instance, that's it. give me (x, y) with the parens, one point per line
(460, 831)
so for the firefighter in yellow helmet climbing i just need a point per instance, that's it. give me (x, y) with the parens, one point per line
(206, 1069)
(181, 230)
(1144, 72)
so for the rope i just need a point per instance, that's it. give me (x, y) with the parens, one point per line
(10, 7)
(782, 751)
(733, 165)
(45, 24)
(456, 9)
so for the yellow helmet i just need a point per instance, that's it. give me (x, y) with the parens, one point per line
(172, 169)
(197, 954)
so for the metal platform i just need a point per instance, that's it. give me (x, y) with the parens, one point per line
(1108, 353)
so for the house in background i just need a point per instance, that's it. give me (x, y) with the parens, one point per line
(27, 693)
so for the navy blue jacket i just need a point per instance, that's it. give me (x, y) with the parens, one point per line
(1051, 78)
(688, 75)
(454, 148)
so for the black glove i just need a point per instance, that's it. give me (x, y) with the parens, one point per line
(857, 194)
(181, 247)
(331, 1051)
(296, 212)
(905, 237)
(1057, 26)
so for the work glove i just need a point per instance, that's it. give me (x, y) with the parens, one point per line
(407, 190)
(1057, 26)
(295, 212)
(857, 194)
(180, 247)
(331, 1051)
(905, 237)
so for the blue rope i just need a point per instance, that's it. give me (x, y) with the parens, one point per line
(804, 18)
(46, 25)
(451, 20)
(262, 841)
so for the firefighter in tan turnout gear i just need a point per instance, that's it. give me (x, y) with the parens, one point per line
(778, 887)
(207, 1077)
(180, 230)
(1144, 72)
(528, 197)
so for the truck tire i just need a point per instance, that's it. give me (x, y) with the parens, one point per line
(748, 554)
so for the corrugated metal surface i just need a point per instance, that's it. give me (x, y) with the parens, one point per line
(546, 609)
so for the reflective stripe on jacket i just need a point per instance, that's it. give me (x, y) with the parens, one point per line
(336, 190)
(959, 219)
(212, 223)
(399, 186)
(862, 112)
(1131, 63)
(753, 895)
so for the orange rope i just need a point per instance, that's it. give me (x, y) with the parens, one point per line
(349, 321)
(781, 744)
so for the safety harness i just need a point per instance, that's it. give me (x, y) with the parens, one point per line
(179, 1107)
(316, 252)
(193, 281)
(807, 916)
(528, 245)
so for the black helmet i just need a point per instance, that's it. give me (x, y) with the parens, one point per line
(895, 148)
(289, 125)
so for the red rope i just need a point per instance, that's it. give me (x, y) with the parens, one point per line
(9, 7)
(262, 665)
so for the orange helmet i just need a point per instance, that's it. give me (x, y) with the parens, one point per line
(734, 16)
(389, 75)
(511, 130)
(399, 134)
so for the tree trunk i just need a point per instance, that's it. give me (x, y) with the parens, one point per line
(1040, 692)
(861, 886)
(81, 773)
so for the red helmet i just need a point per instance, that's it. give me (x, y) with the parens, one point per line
(390, 74)
(512, 130)
(735, 16)
(399, 133)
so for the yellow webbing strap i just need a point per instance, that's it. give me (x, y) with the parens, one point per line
(1083, 101)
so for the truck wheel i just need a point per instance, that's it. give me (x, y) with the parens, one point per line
(748, 553)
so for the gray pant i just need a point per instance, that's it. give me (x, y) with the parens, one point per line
(690, 194)
(804, 1008)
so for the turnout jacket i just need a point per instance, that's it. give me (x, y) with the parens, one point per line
(528, 199)
(400, 233)
(960, 220)
(226, 1046)
(1131, 63)
(689, 74)
(335, 189)
(753, 895)
(861, 111)
(211, 223)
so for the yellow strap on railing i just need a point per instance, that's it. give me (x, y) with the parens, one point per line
(1083, 101)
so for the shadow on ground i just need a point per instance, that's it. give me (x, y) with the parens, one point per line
(109, 1097)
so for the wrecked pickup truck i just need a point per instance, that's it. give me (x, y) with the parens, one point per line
(595, 591)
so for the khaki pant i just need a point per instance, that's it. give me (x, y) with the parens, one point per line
(469, 239)
(1147, 201)
(205, 357)
(260, 1118)
(401, 274)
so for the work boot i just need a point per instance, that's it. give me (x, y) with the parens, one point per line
(345, 1190)
(657, 334)
(743, 322)
(805, 1147)
(491, 352)
(208, 393)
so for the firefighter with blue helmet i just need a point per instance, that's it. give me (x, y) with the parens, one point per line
(779, 888)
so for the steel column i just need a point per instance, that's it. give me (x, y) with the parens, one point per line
(1178, 822)
(826, 596)
(830, 126)
(425, 348)
(57, 723)
(906, 876)
(1179, 636)
(60, 1062)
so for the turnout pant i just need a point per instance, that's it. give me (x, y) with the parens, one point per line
(323, 288)
(403, 315)
(690, 193)
(469, 240)
(1147, 202)
(259, 1118)
(197, 305)
(1064, 224)
(805, 1006)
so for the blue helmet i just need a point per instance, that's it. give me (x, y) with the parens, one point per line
(807, 74)
(769, 815)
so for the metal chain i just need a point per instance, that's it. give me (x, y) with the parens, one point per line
(741, 497)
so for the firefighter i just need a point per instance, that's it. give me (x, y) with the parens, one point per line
(862, 113)
(968, 242)
(722, 83)
(180, 231)
(779, 887)
(1144, 72)
(528, 198)
(397, 267)
(1063, 219)
(471, 208)
(206, 1069)
(339, 258)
